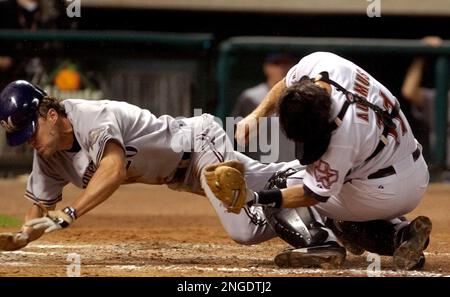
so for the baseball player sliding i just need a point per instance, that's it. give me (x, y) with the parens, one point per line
(364, 169)
(99, 145)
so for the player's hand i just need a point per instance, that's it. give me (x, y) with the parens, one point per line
(13, 241)
(246, 127)
(53, 220)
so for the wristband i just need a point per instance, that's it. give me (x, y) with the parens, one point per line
(72, 212)
(271, 198)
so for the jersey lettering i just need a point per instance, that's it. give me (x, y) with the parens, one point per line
(361, 87)
(88, 174)
(389, 105)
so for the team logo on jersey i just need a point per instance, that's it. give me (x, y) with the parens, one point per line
(93, 136)
(324, 174)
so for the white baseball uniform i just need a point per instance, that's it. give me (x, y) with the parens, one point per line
(154, 150)
(341, 176)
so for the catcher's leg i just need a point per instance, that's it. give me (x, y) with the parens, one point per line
(303, 228)
(403, 240)
(314, 244)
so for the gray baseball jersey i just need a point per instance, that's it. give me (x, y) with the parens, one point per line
(152, 155)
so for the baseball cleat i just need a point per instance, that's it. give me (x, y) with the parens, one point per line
(409, 255)
(351, 247)
(327, 256)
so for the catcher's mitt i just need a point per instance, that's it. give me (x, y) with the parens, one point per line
(13, 241)
(226, 180)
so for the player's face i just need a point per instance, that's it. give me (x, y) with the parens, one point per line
(46, 138)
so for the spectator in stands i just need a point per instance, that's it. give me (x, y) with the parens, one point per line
(421, 99)
(275, 67)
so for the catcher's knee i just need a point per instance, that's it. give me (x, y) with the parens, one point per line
(244, 237)
(298, 226)
(376, 236)
(247, 234)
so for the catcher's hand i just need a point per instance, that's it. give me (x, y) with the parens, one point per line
(53, 220)
(226, 181)
(246, 128)
(13, 241)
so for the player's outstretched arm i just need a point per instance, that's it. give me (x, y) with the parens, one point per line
(109, 175)
(265, 108)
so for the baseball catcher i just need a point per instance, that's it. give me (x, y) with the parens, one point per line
(363, 167)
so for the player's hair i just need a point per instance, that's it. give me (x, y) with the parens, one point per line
(305, 110)
(48, 103)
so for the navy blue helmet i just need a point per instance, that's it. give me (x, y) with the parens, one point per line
(19, 102)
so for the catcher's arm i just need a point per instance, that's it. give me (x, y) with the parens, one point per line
(227, 183)
(265, 108)
(295, 196)
(270, 101)
(108, 177)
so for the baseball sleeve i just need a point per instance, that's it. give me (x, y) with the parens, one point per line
(325, 177)
(98, 131)
(306, 66)
(44, 185)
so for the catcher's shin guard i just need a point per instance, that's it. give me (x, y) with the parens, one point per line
(374, 236)
(313, 245)
(398, 238)
(298, 226)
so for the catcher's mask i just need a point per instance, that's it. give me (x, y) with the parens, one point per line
(305, 112)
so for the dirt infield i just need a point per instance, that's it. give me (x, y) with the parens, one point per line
(152, 231)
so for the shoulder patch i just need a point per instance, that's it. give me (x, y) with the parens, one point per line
(93, 136)
(324, 174)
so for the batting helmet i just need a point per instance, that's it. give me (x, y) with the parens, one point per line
(19, 102)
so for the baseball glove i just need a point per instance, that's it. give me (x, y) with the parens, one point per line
(226, 181)
(13, 241)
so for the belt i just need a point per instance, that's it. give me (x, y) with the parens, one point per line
(183, 166)
(390, 170)
(186, 156)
